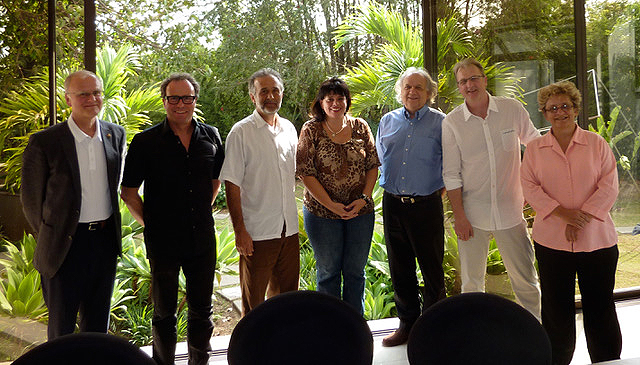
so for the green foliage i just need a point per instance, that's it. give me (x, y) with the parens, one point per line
(495, 266)
(378, 299)
(20, 291)
(451, 262)
(119, 297)
(136, 325)
(20, 255)
(307, 267)
(21, 295)
(227, 255)
(269, 33)
(372, 81)
(221, 199)
(24, 38)
(26, 110)
(606, 130)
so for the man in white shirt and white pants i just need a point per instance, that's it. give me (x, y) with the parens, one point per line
(481, 169)
(259, 177)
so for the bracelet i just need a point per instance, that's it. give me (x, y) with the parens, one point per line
(367, 199)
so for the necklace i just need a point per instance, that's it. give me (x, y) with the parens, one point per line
(333, 134)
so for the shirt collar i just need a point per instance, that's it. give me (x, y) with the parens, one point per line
(79, 135)
(419, 114)
(259, 122)
(579, 137)
(492, 107)
(166, 129)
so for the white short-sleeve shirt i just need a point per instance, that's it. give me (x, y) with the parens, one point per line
(261, 161)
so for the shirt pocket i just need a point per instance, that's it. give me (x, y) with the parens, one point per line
(509, 139)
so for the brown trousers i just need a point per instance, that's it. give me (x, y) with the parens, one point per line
(274, 268)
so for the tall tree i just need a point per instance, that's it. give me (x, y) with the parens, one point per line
(24, 35)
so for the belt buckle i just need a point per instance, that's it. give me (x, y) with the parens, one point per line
(93, 226)
(407, 199)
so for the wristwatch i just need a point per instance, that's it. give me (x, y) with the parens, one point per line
(367, 199)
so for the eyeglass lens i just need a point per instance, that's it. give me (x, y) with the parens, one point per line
(555, 108)
(472, 79)
(186, 99)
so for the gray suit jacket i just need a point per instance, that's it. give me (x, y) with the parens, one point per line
(51, 193)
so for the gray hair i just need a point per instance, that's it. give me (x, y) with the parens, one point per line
(264, 72)
(81, 74)
(177, 77)
(432, 86)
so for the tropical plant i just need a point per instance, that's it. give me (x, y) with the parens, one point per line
(451, 262)
(606, 130)
(26, 110)
(307, 267)
(20, 290)
(221, 199)
(119, 297)
(136, 325)
(378, 263)
(227, 255)
(20, 255)
(21, 295)
(133, 265)
(378, 299)
(495, 266)
(372, 81)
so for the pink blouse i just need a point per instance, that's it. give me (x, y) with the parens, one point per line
(584, 177)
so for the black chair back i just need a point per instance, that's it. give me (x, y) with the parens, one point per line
(302, 327)
(86, 348)
(478, 328)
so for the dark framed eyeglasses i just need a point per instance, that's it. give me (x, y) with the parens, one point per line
(555, 108)
(186, 99)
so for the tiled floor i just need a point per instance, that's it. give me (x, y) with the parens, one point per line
(628, 314)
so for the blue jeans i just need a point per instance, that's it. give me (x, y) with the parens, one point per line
(341, 248)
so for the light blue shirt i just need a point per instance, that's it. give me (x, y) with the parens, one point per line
(410, 150)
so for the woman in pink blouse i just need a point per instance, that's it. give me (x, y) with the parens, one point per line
(338, 164)
(570, 179)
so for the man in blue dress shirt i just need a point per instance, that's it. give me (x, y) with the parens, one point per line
(410, 149)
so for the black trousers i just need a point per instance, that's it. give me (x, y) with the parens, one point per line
(414, 230)
(199, 272)
(84, 283)
(596, 278)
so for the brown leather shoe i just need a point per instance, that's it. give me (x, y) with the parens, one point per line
(399, 337)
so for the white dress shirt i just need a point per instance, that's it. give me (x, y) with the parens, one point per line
(482, 156)
(96, 203)
(261, 160)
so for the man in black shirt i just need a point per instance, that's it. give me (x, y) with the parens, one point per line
(179, 161)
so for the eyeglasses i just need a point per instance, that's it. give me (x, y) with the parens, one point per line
(86, 95)
(472, 79)
(554, 109)
(186, 99)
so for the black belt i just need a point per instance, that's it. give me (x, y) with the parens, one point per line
(410, 199)
(94, 226)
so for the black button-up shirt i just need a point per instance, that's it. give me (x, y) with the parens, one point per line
(177, 187)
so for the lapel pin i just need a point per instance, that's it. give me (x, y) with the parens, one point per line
(108, 135)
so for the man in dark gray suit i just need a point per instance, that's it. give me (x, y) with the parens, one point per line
(70, 177)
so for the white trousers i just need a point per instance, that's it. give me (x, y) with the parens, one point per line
(518, 257)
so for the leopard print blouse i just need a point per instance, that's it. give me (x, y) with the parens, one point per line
(340, 168)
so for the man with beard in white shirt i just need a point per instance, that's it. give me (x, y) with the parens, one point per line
(259, 177)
